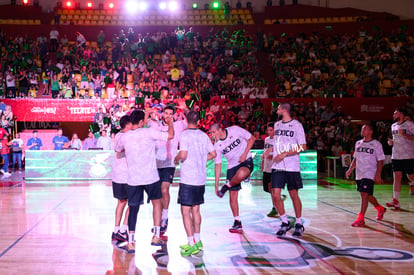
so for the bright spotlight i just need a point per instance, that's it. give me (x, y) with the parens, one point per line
(216, 5)
(163, 6)
(68, 4)
(131, 6)
(89, 5)
(195, 6)
(111, 5)
(173, 6)
(142, 6)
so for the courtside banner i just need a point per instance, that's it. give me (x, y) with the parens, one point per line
(56, 110)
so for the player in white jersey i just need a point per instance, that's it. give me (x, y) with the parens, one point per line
(195, 150)
(234, 143)
(139, 146)
(289, 141)
(402, 154)
(368, 161)
(119, 183)
(166, 152)
(267, 168)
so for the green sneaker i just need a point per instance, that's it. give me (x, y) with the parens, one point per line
(192, 250)
(273, 213)
(184, 246)
(199, 245)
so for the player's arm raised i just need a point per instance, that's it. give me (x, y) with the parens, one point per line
(170, 122)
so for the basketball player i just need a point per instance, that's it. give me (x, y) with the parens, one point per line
(195, 150)
(119, 185)
(289, 141)
(234, 143)
(166, 152)
(139, 146)
(368, 161)
(402, 154)
(267, 168)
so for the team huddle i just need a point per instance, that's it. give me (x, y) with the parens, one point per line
(147, 152)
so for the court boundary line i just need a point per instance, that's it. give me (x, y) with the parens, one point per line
(370, 219)
(31, 228)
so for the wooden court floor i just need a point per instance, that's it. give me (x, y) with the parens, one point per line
(65, 228)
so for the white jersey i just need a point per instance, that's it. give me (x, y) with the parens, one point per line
(232, 146)
(288, 136)
(139, 146)
(402, 147)
(267, 165)
(119, 165)
(198, 145)
(167, 150)
(367, 154)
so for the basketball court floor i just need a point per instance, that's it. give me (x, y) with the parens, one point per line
(60, 227)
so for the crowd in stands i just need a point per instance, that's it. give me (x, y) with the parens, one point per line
(342, 65)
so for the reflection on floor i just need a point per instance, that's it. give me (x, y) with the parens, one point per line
(47, 227)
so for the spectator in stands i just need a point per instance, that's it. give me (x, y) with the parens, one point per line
(34, 143)
(80, 39)
(89, 142)
(55, 86)
(76, 143)
(60, 141)
(10, 84)
(336, 149)
(4, 151)
(104, 141)
(54, 36)
(23, 84)
(17, 149)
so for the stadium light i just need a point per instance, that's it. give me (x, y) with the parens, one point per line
(195, 6)
(131, 6)
(216, 5)
(68, 4)
(142, 6)
(111, 5)
(173, 6)
(162, 6)
(25, 2)
(89, 5)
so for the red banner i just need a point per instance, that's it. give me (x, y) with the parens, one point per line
(55, 110)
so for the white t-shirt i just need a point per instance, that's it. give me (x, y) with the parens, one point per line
(139, 146)
(104, 142)
(233, 146)
(198, 145)
(288, 136)
(54, 34)
(119, 165)
(167, 150)
(402, 148)
(367, 154)
(267, 166)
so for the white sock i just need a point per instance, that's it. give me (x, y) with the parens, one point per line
(191, 240)
(411, 183)
(299, 220)
(196, 237)
(284, 218)
(157, 231)
(124, 228)
(116, 229)
(164, 214)
(396, 195)
(131, 237)
(228, 183)
(237, 218)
